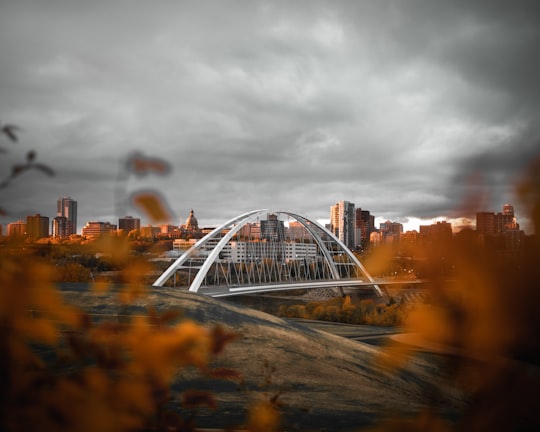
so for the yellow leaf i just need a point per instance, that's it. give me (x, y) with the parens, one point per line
(263, 417)
(153, 206)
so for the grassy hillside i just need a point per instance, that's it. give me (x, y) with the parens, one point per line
(323, 382)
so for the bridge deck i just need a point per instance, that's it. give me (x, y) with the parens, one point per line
(225, 291)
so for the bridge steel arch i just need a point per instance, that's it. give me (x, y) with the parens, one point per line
(306, 222)
(243, 219)
(341, 263)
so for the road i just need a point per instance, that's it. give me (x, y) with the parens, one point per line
(373, 335)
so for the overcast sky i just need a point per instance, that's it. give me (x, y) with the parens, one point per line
(412, 109)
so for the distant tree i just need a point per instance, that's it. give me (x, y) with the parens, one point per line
(73, 272)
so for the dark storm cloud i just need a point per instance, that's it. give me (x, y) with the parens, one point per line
(393, 104)
(501, 168)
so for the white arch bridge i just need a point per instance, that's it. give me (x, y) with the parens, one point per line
(264, 251)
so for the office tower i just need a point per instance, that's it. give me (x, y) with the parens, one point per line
(508, 209)
(391, 231)
(67, 207)
(129, 223)
(342, 219)
(490, 223)
(272, 229)
(500, 231)
(504, 222)
(37, 226)
(485, 223)
(364, 226)
(59, 227)
(507, 220)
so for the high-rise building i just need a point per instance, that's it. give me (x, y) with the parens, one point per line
(342, 219)
(272, 229)
(129, 223)
(485, 223)
(37, 226)
(490, 223)
(391, 231)
(508, 209)
(364, 226)
(59, 227)
(500, 231)
(67, 207)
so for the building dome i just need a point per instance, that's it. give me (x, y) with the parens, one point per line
(191, 222)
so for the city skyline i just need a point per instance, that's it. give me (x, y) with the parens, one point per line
(344, 217)
(414, 110)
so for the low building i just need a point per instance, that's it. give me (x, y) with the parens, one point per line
(16, 229)
(150, 232)
(440, 232)
(183, 244)
(296, 231)
(252, 251)
(97, 228)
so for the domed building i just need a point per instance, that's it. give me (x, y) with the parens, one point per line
(191, 228)
(191, 222)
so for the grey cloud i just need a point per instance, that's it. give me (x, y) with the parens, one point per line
(390, 104)
(499, 169)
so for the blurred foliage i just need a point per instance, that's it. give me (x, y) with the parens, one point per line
(150, 202)
(62, 371)
(484, 316)
(153, 205)
(264, 414)
(141, 165)
(11, 131)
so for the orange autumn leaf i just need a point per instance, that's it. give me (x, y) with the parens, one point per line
(153, 205)
(100, 287)
(263, 417)
(223, 373)
(220, 338)
(141, 165)
(379, 260)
